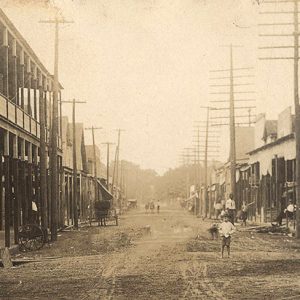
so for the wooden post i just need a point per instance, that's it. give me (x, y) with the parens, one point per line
(36, 182)
(29, 178)
(95, 165)
(1, 192)
(297, 115)
(232, 131)
(62, 194)
(22, 187)
(14, 73)
(54, 134)
(22, 78)
(206, 202)
(28, 81)
(107, 170)
(71, 200)
(5, 63)
(7, 188)
(210, 204)
(107, 162)
(16, 189)
(25, 183)
(97, 195)
(54, 131)
(63, 197)
(35, 87)
(43, 153)
(75, 201)
(68, 198)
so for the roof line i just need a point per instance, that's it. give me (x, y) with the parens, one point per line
(278, 141)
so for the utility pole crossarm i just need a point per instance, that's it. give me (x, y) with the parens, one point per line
(56, 21)
(72, 101)
(92, 128)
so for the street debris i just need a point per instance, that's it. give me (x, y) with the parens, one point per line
(269, 229)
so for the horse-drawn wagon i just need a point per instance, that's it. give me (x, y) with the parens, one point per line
(105, 213)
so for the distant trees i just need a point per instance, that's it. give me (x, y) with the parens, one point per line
(146, 184)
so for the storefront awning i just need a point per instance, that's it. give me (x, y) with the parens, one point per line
(106, 195)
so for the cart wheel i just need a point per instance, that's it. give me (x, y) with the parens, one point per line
(31, 237)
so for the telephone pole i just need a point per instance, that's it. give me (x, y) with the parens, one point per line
(116, 163)
(232, 153)
(43, 153)
(74, 198)
(207, 149)
(295, 34)
(197, 155)
(206, 204)
(54, 130)
(107, 163)
(95, 158)
(187, 156)
(232, 116)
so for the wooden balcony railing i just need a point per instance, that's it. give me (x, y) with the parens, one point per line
(16, 115)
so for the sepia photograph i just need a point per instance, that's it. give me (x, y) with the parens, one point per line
(149, 149)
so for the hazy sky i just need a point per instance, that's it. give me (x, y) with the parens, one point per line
(143, 65)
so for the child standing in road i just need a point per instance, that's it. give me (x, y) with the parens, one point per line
(226, 229)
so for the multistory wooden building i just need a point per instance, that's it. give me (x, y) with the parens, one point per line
(25, 118)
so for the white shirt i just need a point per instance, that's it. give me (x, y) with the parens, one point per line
(33, 206)
(226, 229)
(230, 204)
(291, 208)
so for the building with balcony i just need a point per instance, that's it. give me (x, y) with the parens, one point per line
(26, 94)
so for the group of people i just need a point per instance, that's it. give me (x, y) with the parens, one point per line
(151, 206)
(227, 213)
(229, 208)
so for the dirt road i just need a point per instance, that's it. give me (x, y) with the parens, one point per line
(176, 261)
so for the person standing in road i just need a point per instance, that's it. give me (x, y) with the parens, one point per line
(152, 207)
(244, 215)
(226, 229)
(230, 207)
(218, 208)
(157, 206)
